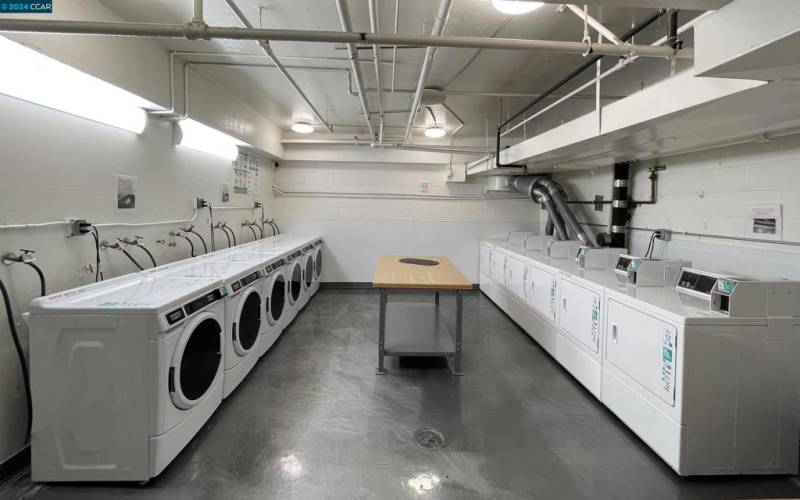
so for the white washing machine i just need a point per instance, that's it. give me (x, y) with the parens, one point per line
(244, 310)
(307, 261)
(271, 267)
(123, 376)
(276, 293)
(316, 255)
(294, 278)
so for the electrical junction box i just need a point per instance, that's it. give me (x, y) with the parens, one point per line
(598, 258)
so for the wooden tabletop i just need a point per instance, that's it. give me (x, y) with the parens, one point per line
(391, 273)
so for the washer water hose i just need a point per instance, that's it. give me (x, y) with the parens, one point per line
(26, 257)
(227, 228)
(221, 226)
(23, 364)
(179, 234)
(98, 273)
(250, 226)
(137, 242)
(190, 229)
(118, 246)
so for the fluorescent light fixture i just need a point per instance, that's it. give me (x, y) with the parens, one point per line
(302, 127)
(34, 77)
(516, 6)
(203, 138)
(435, 132)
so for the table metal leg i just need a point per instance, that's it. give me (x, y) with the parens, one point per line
(436, 298)
(382, 332)
(459, 323)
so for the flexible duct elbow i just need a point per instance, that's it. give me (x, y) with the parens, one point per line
(551, 195)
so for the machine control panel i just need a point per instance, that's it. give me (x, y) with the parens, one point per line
(695, 282)
(254, 276)
(623, 261)
(175, 315)
(201, 302)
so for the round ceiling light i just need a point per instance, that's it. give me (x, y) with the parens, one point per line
(516, 6)
(302, 127)
(435, 132)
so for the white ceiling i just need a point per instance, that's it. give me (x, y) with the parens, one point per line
(495, 71)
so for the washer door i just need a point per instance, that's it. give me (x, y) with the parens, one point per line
(196, 361)
(277, 298)
(318, 263)
(308, 274)
(296, 281)
(247, 321)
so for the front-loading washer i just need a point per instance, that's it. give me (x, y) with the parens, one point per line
(316, 255)
(294, 276)
(123, 376)
(307, 261)
(276, 292)
(244, 310)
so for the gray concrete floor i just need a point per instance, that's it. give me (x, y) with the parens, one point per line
(314, 421)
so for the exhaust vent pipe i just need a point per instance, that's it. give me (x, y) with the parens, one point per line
(550, 194)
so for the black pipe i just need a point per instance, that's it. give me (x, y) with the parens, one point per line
(619, 205)
(211, 220)
(42, 282)
(672, 30)
(583, 67)
(21, 355)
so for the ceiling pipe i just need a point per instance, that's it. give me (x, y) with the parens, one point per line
(192, 32)
(430, 53)
(394, 47)
(267, 49)
(352, 56)
(375, 26)
(198, 12)
(465, 150)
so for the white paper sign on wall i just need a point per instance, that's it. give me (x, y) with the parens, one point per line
(765, 222)
(424, 186)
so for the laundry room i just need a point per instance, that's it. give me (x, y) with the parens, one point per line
(341, 249)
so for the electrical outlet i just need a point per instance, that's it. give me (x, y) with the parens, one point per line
(78, 227)
(664, 234)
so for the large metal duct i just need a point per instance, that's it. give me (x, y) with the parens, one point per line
(527, 185)
(543, 187)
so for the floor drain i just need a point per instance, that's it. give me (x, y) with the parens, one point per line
(430, 439)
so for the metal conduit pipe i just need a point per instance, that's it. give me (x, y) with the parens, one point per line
(194, 32)
(355, 67)
(619, 205)
(267, 49)
(571, 222)
(430, 53)
(375, 26)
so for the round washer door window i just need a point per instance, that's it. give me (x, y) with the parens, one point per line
(196, 361)
(277, 298)
(296, 285)
(318, 263)
(309, 272)
(245, 332)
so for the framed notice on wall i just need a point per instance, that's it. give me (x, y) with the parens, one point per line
(125, 188)
(246, 170)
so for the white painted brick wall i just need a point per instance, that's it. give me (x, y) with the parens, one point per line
(710, 192)
(433, 227)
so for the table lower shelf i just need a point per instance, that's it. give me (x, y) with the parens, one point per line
(416, 329)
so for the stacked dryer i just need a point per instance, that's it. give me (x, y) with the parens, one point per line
(123, 374)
